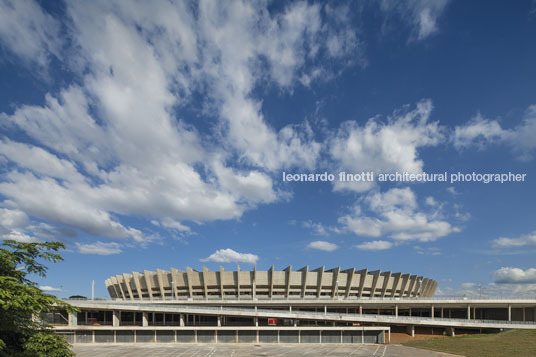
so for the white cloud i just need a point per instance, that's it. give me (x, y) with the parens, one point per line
(509, 275)
(230, 256)
(118, 144)
(375, 245)
(384, 147)
(322, 245)
(521, 241)
(482, 132)
(491, 290)
(430, 201)
(396, 215)
(50, 288)
(421, 15)
(29, 32)
(99, 248)
(316, 228)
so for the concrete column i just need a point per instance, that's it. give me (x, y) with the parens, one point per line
(509, 312)
(360, 309)
(450, 331)
(181, 320)
(256, 322)
(411, 330)
(441, 312)
(290, 308)
(145, 319)
(468, 312)
(325, 309)
(73, 318)
(432, 312)
(410, 311)
(474, 313)
(396, 310)
(378, 311)
(219, 320)
(523, 314)
(116, 318)
(93, 336)
(257, 340)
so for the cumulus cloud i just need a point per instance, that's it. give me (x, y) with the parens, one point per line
(99, 248)
(50, 288)
(395, 213)
(491, 290)
(375, 245)
(481, 132)
(526, 240)
(384, 147)
(322, 245)
(509, 275)
(230, 256)
(421, 15)
(119, 142)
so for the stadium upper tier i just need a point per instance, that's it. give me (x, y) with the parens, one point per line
(302, 283)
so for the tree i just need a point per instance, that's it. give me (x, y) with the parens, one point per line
(22, 332)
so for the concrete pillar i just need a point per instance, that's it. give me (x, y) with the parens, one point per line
(145, 319)
(432, 312)
(116, 318)
(73, 318)
(378, 311)
(509, 312)
(411, 330)
(181, 320)
(325, 309)
(257, 340)
(442, 312)
(450, 331)
(523, 314)
(93, 336)
(256, 322)
(396, 310)
(468, 312)
(360, 309)
(219, 320)
(410, 311)
(290, 308)
(474, 313)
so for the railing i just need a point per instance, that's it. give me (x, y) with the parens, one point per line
(321, 298)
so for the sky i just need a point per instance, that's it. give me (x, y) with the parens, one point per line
(161, 134)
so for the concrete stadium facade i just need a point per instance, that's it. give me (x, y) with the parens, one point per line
(279, 306)
(349, 283)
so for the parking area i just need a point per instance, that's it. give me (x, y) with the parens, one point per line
(142, 350)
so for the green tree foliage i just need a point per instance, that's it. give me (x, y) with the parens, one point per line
(22, 333)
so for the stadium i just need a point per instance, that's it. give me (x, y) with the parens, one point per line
(321, 305)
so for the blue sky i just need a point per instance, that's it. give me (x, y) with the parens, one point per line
(155, 135)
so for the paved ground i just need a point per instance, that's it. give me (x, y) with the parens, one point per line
(141, 350)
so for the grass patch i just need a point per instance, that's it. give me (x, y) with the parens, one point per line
(510, 343)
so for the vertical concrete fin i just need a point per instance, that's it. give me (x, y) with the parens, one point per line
(395, 283)
(238, 281)
(160, 279)
(127, 280)
(204, 277)
(221, 281)
(271, 282)
(412, 283)
(175, 281)
(189, 278)
(385, 285)
(376, 276)
(405, 279)
(120, 282)
(289, 271)
(254, 282)
(305, 271)
(137, 284)
(362, 279)
(349, 280)
(335, 282)
(320, 273)
(148, 277)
